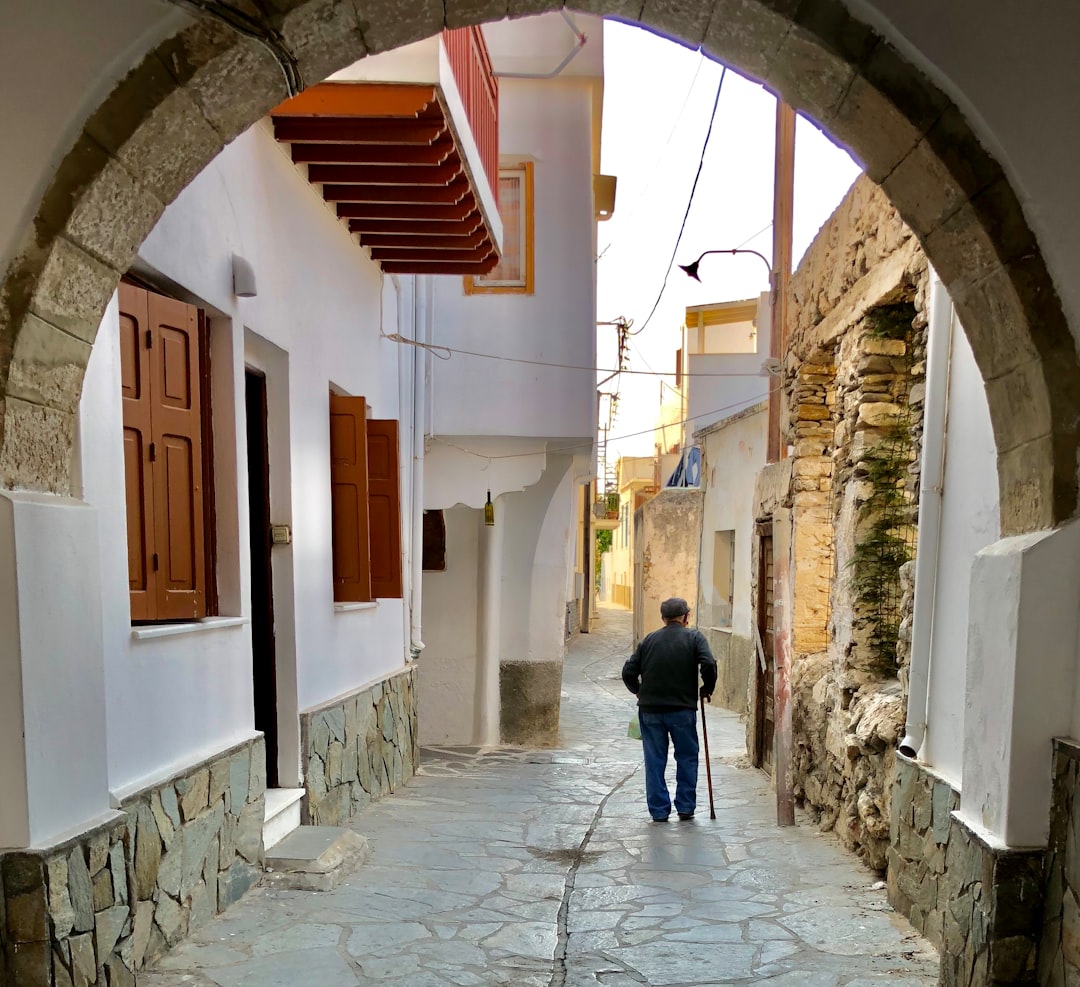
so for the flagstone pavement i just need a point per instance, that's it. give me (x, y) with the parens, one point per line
(541, 868)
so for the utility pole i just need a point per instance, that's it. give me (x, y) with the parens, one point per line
(784, 590)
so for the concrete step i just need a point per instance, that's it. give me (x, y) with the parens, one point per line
(282, 814)
(314, 858)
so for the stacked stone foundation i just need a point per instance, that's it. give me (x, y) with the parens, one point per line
(981, 905)
(93, 910)
(358, 748)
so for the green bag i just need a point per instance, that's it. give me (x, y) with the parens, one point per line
(633, 731)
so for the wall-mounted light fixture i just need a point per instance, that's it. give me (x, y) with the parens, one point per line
(691, 269)
(489, 512)
(243, 278)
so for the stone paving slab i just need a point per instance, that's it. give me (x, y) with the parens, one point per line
(516, 867)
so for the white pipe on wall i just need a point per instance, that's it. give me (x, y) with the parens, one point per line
(421, 327)
(931, 493)
(406, 299)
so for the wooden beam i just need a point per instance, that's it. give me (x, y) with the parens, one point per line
(340, 130)
(437, 227)
(376, 154)
(367, 174)
(458, 192)
(435, 256)
(358, 99)
(401, 211)
(425, 267)
(429, 242)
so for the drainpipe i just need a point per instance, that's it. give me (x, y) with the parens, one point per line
(421, 333)
(406, 301)
(931, 491)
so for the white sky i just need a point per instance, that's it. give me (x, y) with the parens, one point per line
(657, 100)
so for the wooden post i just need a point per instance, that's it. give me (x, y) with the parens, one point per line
(783, 196)
(783, 541)
(783, 537)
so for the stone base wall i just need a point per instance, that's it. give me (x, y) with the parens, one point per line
(1059, 947)
(91, 911)
(359, 748)
(922, 808)
(735, 659)
(530, 693)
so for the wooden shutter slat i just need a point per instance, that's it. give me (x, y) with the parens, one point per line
(348, 499)
(135, 391)
(384, 508)
(177, 466)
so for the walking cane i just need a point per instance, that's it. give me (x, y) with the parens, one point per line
(708, 767)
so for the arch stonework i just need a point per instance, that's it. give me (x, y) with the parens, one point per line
(196, 91)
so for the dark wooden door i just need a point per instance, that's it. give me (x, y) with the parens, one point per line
(764, 717)
(263, 663)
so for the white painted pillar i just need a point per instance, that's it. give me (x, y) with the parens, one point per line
(490, 627)
(1021, 668)
(53, 754)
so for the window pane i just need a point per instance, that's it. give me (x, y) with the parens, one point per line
(511, 267)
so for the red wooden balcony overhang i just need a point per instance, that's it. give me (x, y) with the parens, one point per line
(388, 159)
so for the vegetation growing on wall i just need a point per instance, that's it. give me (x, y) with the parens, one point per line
(886, 543)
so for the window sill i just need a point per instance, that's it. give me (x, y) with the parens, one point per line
(170, 630)
(349, 607)
(723, 630)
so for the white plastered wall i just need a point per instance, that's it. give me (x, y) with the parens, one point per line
(969, 522)
(319, 308)
(734, 454)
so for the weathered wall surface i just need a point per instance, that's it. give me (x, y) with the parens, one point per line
(853, 412)
(668, 552)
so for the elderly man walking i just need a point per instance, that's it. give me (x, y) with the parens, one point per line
(663, 673)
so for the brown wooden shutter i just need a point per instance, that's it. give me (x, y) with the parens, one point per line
(135, 388)
(348, 499)
(177, 460)
(384, 508)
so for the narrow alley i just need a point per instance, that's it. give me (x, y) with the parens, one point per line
(542, 868)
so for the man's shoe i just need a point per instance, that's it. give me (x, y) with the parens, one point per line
(683, 816)
(660, 819)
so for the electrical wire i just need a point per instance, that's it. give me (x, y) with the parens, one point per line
(448, 351)
(746, 402)
(689, 202)
(660, 157)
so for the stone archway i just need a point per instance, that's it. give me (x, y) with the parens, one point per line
(202, 87)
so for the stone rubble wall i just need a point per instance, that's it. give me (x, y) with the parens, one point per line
(1059, 946)
(93, 910)
(922, 808)
(359, 748)
(845, 386)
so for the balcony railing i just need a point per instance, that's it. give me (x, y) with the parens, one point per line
(467, 53)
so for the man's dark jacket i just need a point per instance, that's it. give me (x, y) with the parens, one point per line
(663, 670)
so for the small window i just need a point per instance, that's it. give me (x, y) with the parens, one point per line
(723, 576)
(434, 554)
(514, 272)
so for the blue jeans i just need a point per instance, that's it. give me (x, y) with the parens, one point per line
(681, 727)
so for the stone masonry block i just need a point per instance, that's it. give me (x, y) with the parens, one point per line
(746, 34)
(684, 21)
(529, 701)
(36, 448)
(327, 35)
(113, 216)
(73, 289)
(1026, 487)
(171, 146)
(26, 911)
(1019, 406)
(923, 190)
(208, 58)
(462, 13)
(811, 78)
